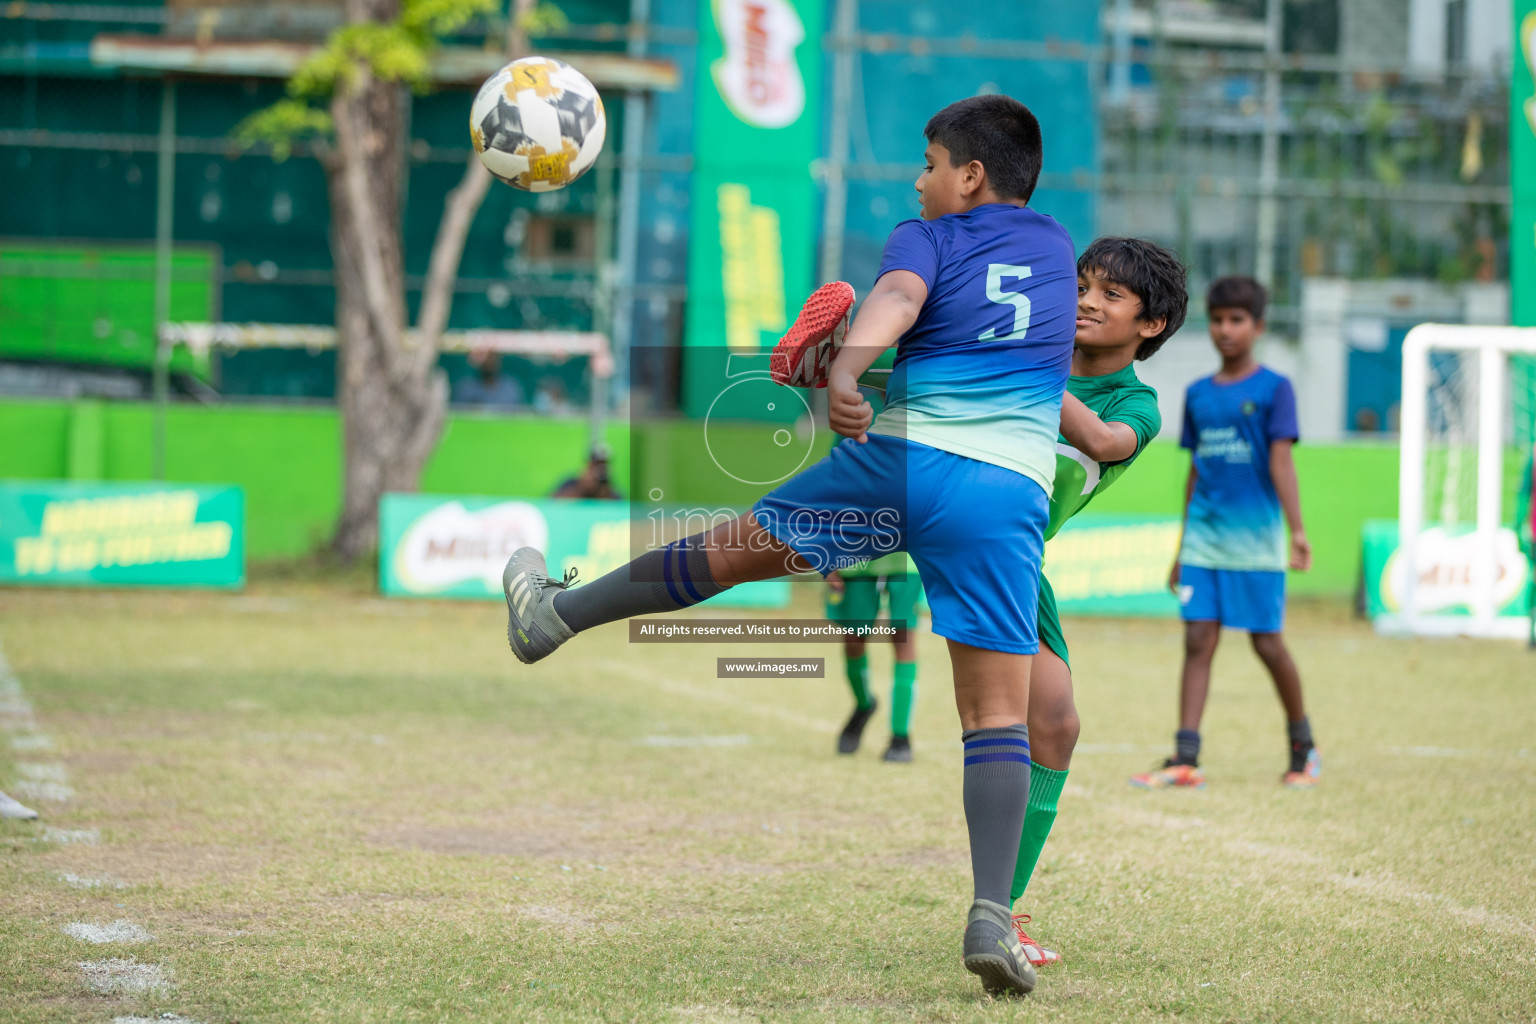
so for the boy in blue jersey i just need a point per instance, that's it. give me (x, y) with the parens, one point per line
(1239, 425)
(980, 298)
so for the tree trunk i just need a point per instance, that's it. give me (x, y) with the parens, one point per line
(392, 396)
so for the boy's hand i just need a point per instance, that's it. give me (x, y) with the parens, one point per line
(1173, 578)
(1301, 552)
(836, 582)
(848, 412)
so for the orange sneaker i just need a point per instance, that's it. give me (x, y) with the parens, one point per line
(1307, 777)
(1036, 954)
(803, 356)
(1171, 775)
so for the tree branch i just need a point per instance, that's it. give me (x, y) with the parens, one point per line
(447, 250)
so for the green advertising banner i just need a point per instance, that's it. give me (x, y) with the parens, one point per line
(1113, 565)
(1445, 560)
(433, 545)
(757, 130)
(1522, 167)
(121, 534)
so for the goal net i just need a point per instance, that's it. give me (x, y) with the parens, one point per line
(1468, 430)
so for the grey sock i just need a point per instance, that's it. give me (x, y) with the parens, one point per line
(1301, 732)
(1186, 745)
(663, 580)
(996, 791)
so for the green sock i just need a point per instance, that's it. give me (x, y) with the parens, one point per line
(858, 680)
(903, 693)
(1039, 815)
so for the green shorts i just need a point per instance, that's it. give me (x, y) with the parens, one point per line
(860, 599)
(1050, 623)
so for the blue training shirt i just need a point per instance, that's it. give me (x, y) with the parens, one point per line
(1234, 515)
(981, 371)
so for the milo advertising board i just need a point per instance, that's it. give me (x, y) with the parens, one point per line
(447, 546)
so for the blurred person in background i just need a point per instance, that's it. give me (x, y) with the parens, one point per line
(488, 386)
(593, 481)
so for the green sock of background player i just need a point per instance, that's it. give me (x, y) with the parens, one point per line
(903, 694)
(858, 680)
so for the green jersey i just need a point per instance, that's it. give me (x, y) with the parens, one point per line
(1117, 397)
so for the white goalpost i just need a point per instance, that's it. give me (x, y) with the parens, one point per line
(1468, 411)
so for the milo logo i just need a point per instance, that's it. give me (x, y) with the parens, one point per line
(757, 77)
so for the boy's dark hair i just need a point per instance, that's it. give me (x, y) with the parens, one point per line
(1237, 292)
(1000, 132)
(1153, 273)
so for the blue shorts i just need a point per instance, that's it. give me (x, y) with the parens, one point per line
(1236, 598)
(974, 530)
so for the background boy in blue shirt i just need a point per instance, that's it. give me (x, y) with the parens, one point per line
(1239, 425)
(980, 298)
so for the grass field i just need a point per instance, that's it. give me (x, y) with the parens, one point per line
(321, 806)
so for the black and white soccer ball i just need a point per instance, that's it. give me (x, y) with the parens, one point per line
(538, 124)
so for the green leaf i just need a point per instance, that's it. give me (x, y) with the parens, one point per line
(281, 125)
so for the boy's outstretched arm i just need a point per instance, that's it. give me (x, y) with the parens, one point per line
(1282, 470)
(1100, 441)
(892, 307)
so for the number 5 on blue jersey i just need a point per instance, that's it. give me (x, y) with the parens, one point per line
(996, 272)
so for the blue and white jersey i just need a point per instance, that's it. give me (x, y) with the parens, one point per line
(981, 371)
(1234, 515)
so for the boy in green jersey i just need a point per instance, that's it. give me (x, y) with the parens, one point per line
(854, 595)
(1131, 297)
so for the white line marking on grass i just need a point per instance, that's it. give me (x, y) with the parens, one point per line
(164, 1018)
(42, 772)
(16, 705)
(116, 975)
(633, 670)
(556, 916)
(83, 836)
(696, 741)
(35, 741)
(54, 792)
(1389, 888)
(78, 882)
(117, 931)
(15, 809)
(1386, 887)
(1455, 752)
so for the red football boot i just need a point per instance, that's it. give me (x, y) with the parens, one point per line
(1036, 954)
(803, 356)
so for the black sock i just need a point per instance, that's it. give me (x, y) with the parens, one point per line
(996, 791)
(1301, 743)
(664, 580)
(1186, 745)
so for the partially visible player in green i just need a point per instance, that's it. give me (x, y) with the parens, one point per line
(854, 595)
(1131, 297)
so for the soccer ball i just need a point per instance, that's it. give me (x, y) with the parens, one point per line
(538, 124)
